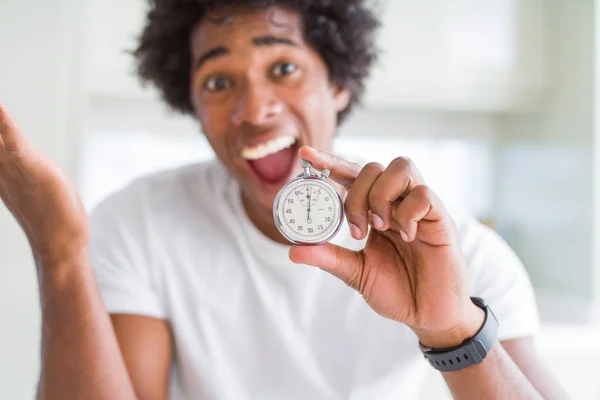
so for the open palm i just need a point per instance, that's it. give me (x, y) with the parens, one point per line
(40, 196)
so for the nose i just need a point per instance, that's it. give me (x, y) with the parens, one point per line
(257, 105)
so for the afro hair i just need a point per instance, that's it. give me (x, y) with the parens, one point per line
(341, 31)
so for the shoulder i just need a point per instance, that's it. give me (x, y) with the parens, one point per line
(163, 192)
(131, 231)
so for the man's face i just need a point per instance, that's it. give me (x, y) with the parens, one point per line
(260, 92)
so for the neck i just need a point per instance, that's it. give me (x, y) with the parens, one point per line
(263, 219)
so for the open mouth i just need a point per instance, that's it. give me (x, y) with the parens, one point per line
(272, 161)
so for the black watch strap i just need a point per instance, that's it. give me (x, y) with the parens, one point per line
(471, 351)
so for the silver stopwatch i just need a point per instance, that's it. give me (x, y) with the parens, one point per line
(308, 210)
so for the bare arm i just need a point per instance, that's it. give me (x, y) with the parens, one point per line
(84, 357)
(80, 354)
(523, 353)
(497, 377)
(146, 347)
(510, 371)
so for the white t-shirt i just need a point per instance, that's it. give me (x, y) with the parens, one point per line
(247, 323)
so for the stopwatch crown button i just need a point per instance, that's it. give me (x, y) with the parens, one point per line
(305, 164)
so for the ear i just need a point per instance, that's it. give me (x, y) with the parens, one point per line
(341, 96)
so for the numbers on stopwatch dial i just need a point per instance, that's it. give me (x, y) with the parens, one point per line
(309, 209)
(308, 194)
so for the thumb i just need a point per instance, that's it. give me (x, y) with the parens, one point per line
(12, 139)
(342, 263)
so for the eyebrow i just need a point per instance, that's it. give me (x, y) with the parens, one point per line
(271, 40)
(211, 54)
(257, 41)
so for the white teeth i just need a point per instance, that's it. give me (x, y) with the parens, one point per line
(267, 148)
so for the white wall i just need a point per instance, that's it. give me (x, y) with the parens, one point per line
(545, 162)
(36, 76)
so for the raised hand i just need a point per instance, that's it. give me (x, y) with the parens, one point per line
(40, 196)
(411, 269)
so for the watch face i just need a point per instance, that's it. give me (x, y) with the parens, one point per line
(308, 210)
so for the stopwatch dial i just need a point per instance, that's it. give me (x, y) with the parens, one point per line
(310, 211)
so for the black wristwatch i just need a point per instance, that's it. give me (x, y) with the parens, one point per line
(471, 351)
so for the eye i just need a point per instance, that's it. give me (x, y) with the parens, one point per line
(283, 69)
(217, 84)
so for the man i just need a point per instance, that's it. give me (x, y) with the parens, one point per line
(195, 275)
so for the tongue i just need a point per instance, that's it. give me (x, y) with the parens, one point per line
(275, 167)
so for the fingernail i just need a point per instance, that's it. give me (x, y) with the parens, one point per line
(355, 232)
(377, 221)
(403, 235)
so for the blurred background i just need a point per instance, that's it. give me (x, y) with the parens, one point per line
(493, 99)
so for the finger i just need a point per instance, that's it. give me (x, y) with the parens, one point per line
(12, 140)
(421, 207)
(342, 171)
(399, 178)
(357, 200)
(342, 263)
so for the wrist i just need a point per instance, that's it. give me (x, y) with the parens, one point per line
(60, 266)
(466, 329)
(60, 259)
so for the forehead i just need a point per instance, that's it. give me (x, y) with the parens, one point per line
(237, 26)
